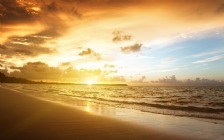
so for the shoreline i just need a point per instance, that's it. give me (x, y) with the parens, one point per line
(24, 117)
(175, 125)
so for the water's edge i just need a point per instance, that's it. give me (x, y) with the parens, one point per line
(185, 126)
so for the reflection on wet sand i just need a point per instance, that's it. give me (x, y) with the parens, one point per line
(176, 125)
(99, 109)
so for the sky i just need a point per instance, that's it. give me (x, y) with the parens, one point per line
(112, 41)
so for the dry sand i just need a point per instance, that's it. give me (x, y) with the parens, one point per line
(26, 118)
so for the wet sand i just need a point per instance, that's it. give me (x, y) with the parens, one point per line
(27, 118)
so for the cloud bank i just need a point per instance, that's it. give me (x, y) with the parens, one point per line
(39, 71)
(171, 80)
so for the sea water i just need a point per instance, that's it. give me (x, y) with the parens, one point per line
(201, 108)
(198, 102)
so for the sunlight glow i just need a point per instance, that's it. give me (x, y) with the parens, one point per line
(90, 82)
(88, 109)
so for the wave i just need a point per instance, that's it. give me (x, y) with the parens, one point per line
(160, 106)
(201, 103)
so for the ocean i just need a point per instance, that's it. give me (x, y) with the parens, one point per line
(198, 102)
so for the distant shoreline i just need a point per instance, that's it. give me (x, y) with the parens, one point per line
(65, 84)
(15, 80)
(83, 84)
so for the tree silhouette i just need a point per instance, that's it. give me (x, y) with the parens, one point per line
(5, 79)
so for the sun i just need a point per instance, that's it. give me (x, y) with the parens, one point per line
(90, 82)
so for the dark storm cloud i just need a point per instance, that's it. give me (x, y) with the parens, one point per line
(90, 52)
(132, 48)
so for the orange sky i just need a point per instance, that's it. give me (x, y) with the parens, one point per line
(78, 39)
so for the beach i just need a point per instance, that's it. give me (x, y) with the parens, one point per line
(25, 118)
